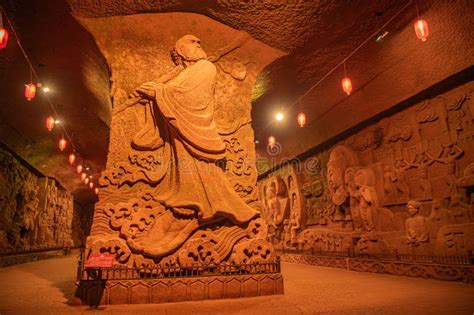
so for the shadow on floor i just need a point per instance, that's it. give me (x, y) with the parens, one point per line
(90, 292)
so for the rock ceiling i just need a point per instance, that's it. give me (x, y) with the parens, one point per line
(315, 35)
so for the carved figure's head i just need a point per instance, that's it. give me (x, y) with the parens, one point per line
(271, 191)
(187, 48)
(414, 207)
(349, 176)
(436, 204)
(334, 178)
(456, 199)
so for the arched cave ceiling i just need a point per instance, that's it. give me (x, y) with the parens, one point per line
(315, 35)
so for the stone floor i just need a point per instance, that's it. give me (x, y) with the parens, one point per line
(47, 287)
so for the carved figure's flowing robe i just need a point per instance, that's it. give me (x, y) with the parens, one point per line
(190, 177)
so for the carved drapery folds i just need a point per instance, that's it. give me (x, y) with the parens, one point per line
(35, 213)
(405, 184)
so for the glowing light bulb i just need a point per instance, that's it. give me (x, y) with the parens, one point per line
(86, 180)
(83, 176)
(79, 169)
(279, 116)
(96, 190)
(50, 123)
(91, 185)
(3, 37)
(301, 119)
(421, 29)
(72, 158)
(30, 91)
(62, 144)
(347, 85)
(46, 89)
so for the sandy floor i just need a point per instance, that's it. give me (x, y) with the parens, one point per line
(47, 287)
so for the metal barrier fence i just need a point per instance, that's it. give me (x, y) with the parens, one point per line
(198, 270)
(467, 259)
(66, 250)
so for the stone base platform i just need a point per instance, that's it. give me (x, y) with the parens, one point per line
(178, 289)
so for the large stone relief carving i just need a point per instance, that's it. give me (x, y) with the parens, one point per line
(180, 184)
(409, 189)
(35, 212)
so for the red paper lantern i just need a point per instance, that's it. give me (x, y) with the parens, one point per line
(30, 91)
(96, 190)
(79, 169)
(50, 123)
(62, 144)
(421, 29)
(72, 158)
(301, 119)
(347, 85)
(91, 185)
(3, 38)
(86, 180)
(83, 176)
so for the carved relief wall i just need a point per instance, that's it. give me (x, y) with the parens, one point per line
(405, 183)
(35, 213)
(180, 181)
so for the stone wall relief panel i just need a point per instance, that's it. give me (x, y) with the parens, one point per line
(35, 212)
(285, 207)
(403, 184)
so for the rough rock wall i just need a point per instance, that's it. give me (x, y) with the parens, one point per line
(404, 183)
(35, 213)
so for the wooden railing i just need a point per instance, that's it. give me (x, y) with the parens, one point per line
(467, 259)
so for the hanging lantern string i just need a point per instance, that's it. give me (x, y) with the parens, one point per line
(417, 12)
(35, 74)
(343, 62)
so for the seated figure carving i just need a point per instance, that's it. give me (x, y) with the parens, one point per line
(417, 231)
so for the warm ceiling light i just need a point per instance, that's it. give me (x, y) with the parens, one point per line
(79, 169)
(46, 89)
(83, 176)
(91, 185)
(421, 29)
(381, 36)
(72, 158)
(96, 190)
(279, 116)
(62, 144)
(86, 180)
(30, 91)
(301, 119)
(3, 37)
(50, 123)
(347, 85)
